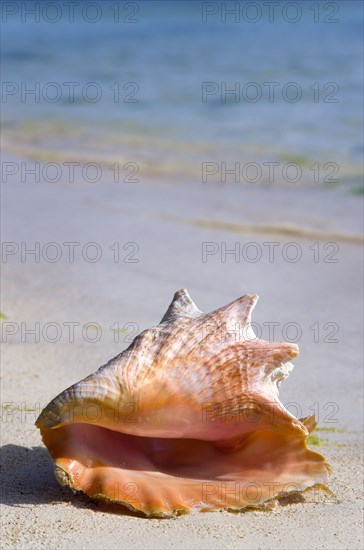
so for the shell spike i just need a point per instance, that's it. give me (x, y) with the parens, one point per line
(181, 306)
(236, 316)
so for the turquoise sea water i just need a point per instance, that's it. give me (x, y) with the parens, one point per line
(139, 79)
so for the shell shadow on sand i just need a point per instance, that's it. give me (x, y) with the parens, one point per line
(32, 482)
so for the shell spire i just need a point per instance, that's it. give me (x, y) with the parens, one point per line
(181, 306)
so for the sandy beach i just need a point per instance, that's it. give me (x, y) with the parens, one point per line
(170, 236)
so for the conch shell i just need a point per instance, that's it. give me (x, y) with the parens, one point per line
(187, 418)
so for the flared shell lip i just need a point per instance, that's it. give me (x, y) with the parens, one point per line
(66, 479)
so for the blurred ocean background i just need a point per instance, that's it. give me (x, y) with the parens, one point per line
(157, 65)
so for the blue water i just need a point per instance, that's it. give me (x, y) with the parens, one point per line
(167, 53)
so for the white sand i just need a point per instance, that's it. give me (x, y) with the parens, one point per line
(168, 223)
